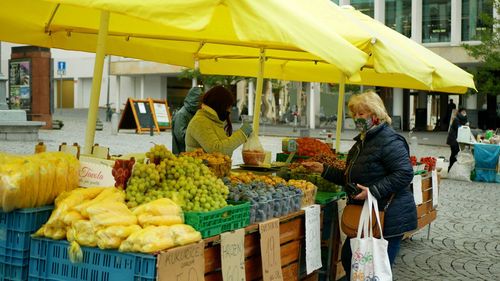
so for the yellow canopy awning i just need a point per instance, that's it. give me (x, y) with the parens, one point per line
(178, 31)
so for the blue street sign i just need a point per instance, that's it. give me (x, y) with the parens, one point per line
(61, 65)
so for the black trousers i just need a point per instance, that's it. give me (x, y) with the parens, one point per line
(453, 157)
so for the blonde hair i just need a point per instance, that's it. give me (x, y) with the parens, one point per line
(371, 102)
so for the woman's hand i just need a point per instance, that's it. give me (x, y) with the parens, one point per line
(315, 167)
(363, 194)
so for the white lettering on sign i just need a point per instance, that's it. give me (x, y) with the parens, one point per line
(313, 246)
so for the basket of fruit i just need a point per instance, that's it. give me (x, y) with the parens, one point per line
(253, 157)
(309, 190)
(217, 162)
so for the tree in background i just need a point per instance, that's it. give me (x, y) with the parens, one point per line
(487, 75)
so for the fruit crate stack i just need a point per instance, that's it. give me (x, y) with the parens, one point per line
(49, 260)
(15, 230)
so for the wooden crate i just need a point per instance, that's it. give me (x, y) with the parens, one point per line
(425, 212)
(292, 231)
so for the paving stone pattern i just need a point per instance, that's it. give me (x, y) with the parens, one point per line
(464, 240)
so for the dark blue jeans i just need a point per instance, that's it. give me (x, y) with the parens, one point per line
(346, 255)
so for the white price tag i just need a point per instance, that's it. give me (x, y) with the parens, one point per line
(417, 189)
(435, 189)
(313, 246)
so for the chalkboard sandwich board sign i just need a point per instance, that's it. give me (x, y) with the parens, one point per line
(139, 115)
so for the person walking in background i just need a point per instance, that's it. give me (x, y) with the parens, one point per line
(379, 163)
(459, 120)
(451, 106)
(181, 120)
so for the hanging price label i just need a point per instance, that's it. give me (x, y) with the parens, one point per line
(232, 252)
(270, 250)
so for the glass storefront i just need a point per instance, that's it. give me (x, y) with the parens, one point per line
(367, 7)
(472, 21)
(398, 16)
(436, 21)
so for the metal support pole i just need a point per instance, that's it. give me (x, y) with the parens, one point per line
(340, 113)
(60, 91)
(258, 93)
(96, 82)
(109, 112)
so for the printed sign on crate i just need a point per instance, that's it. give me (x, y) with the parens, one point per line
(94, 174)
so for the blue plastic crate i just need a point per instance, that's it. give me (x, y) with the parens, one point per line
(9, 272)
(15, 230)
(49, 260)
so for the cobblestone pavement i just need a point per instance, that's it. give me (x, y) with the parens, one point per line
(464, 241)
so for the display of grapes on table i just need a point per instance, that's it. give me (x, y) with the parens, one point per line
(184, 179)
(266, 201)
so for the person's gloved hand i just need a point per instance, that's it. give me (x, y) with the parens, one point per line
(247, 128)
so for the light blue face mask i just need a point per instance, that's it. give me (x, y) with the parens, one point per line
(363, 124)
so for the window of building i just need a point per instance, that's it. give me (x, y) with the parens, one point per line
(398, 16)
(367, 7)
(472, 18)
(436, 21)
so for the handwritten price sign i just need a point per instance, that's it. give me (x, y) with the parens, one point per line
(313, 246)
(270, 250)
(186, 263)
(93, 174)
(232, 254)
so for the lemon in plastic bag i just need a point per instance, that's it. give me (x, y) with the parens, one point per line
(110, 213)
(184, 234)
(159, 212)
(85, 233)
(11, 178)
(148, 240)
(75, 252)
(112, 237)
(109, 194)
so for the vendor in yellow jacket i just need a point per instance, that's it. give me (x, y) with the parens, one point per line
(211, 128)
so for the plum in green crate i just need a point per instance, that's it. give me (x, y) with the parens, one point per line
(235, 215)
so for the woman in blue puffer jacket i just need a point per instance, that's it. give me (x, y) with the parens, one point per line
(378, 162)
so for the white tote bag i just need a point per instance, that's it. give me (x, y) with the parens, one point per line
(370, 260)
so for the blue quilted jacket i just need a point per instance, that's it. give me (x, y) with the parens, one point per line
(382, 163)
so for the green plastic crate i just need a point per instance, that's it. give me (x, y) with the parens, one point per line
(324, 197)
(234, 216)
(281, 157)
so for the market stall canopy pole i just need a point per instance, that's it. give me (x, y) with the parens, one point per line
(258, 92)
(340, 113)
(96, 82)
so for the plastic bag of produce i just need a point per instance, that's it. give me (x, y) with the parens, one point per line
(462, 168)
(159, 212)
(85, 233)
(109, 213)
(70, 200)
(184, 234)
(110, 194)
(112, 237)
(11, 179)
(253, 152)
(148, 240)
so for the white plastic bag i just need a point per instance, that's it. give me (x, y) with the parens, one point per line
(462, 168)
(370, 260)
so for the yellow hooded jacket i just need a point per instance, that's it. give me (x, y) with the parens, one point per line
(206, 131)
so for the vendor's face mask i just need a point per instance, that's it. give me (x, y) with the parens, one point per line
(363, 124)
